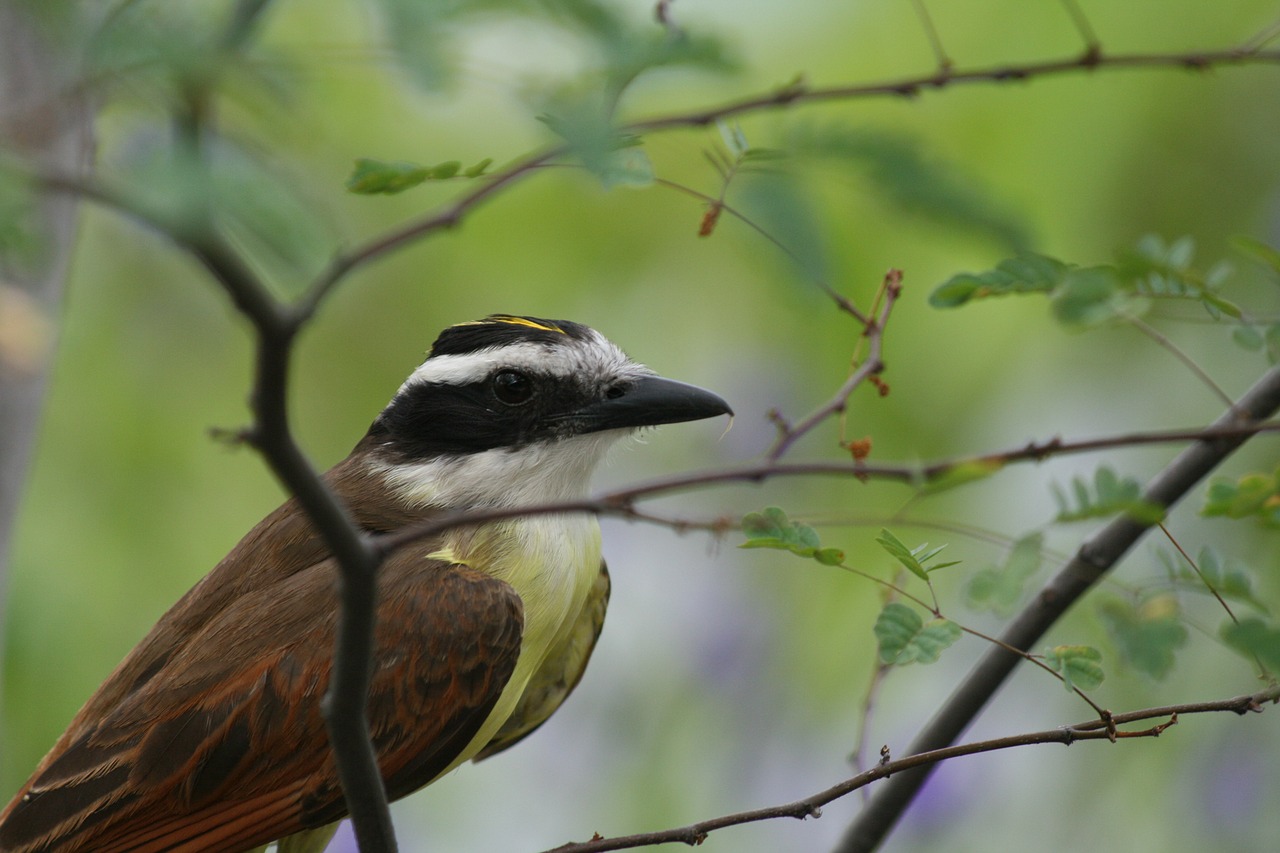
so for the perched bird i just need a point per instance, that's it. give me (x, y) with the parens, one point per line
(209, 736)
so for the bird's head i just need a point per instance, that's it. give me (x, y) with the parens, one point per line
(515, 410)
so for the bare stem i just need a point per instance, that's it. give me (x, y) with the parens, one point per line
(811, 806)
(872, 365)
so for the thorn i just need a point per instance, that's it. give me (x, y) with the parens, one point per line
(233, 437)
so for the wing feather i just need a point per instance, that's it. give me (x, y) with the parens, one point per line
(222, 746)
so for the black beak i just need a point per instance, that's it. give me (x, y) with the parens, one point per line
(650, 401)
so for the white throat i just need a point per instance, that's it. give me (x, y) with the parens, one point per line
(539, 473)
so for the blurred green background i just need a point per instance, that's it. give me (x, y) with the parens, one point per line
(725, 679)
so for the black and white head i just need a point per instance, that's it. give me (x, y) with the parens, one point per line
(516, 410)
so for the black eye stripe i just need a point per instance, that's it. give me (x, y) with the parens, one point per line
(509, 408)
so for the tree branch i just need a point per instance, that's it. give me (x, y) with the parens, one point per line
(621, 502)
(872, 365)
(811, 806)
(346, 698)
(1093, 560)
(453, 213)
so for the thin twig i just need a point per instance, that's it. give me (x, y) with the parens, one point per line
(621, 502)
(872, 365)
(1176, 351)
(841, 301)
(1195, 568)
(811, 806)
(1092, 46)
(790, 95)
(931, 33)
(911, 86)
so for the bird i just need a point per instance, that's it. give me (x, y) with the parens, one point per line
(209, 736)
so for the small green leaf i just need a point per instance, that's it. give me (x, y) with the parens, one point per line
(1217, 305)
(627, 167)
(1089, 297)
(771, 528)
(1253, 637)
(1000, 589)
(372, 177)
(1248, 338)
(902, 554)
(1226, 576)
(478, 169)
(829, 556)
(1253, 495)
(960, 474)
(1273, 343)
(1111, 495)
(906, 638)
(444, 171)
(913, 559)
(1153, 269)
(1146, 635)
(1078, 665)
(734, 139)
(1259, 251)
(1025, 273)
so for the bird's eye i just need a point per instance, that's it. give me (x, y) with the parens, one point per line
(511, 387)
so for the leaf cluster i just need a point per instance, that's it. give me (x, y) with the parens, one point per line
(1254, 495)
(1109, 494)
(380, 177)
(1000, 588)
(1085, 296)
(771, 528)
(905, 637)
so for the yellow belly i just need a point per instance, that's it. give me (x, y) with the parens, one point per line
(552, 563)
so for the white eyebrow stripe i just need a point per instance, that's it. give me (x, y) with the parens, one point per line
(597, 357)
(476, 366)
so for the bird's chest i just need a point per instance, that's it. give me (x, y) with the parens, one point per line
(551, 561)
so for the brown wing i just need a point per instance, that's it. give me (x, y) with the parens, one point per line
(558, 675)
(222, 746)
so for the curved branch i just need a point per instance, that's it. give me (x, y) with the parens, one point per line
(811, 806)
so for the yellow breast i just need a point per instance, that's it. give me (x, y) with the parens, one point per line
(551, 562)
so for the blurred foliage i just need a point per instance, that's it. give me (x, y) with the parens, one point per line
(1110, 495)
(724, 679)
(1083, 297)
